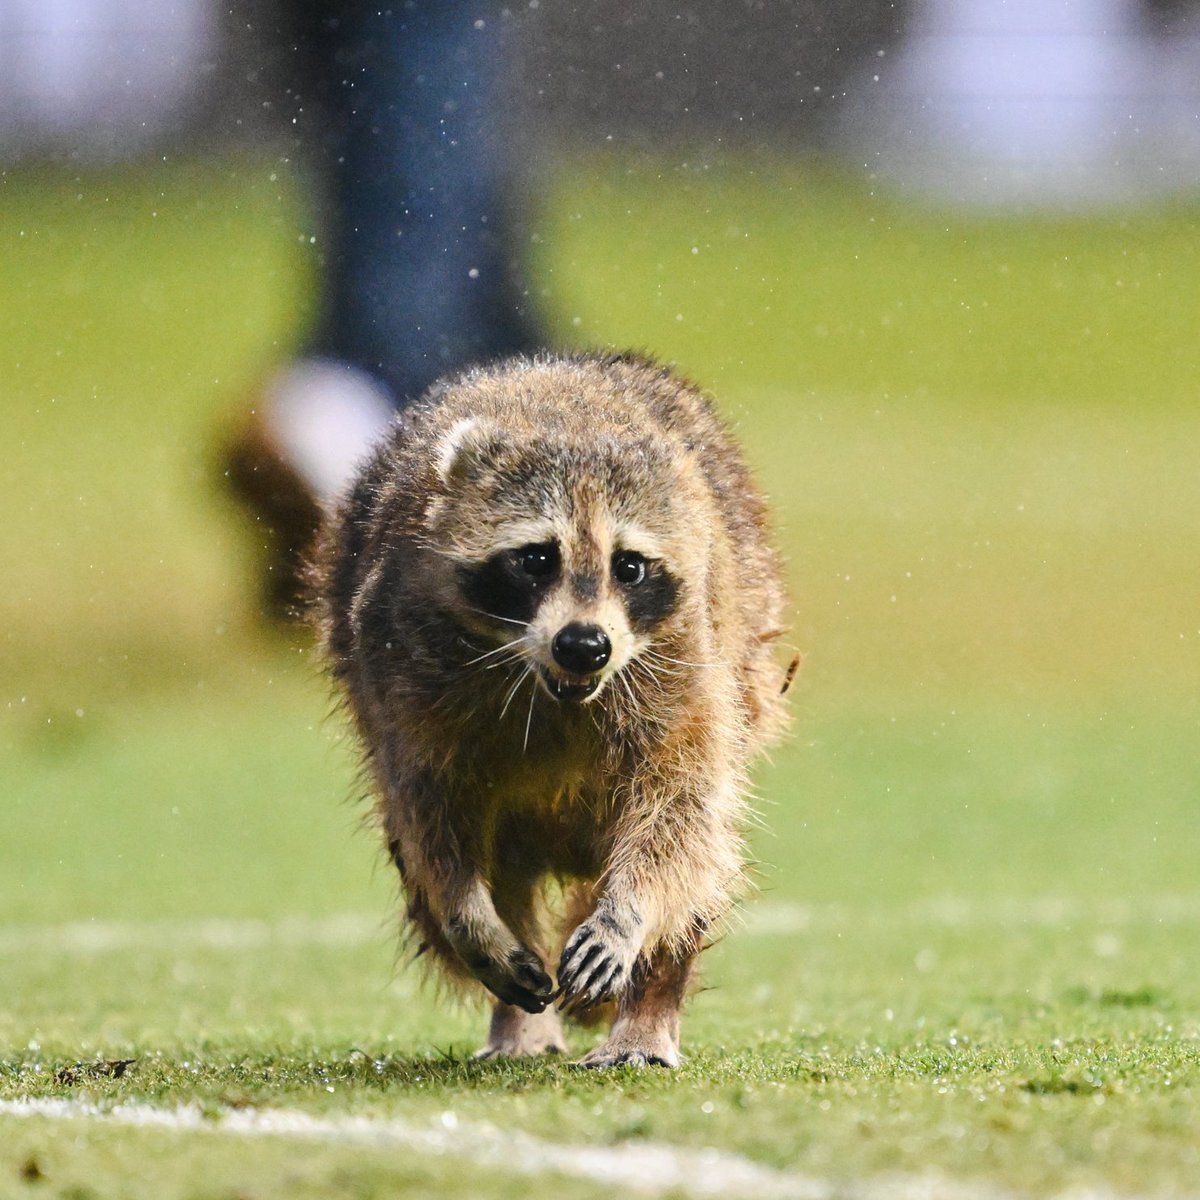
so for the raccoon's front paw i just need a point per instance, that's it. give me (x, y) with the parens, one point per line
(597, 959)
(515, 975)
(520, 980)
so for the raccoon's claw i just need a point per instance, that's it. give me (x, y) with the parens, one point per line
(600, 1060)
(594, 967)
(519, 979)
(522, 981)
(531, 975)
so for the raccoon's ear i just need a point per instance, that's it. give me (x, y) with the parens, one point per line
(462, 448)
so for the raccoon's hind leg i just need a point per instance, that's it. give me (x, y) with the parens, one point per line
(646, 1031)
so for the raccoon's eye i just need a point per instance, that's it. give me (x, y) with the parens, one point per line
(539, 561)
(629, 567)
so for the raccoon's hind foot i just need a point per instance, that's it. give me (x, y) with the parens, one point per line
(599, 956)
(634, 1047)
(518, 1034)
(646, 1031)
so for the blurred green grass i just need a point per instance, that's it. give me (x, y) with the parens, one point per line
(979, 438)
(770, 275)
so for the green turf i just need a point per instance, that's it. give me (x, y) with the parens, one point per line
(975, 954)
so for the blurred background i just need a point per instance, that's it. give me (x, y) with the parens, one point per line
(939, 262)
(1069, 100)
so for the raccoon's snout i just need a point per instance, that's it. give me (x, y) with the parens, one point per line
(581, 649)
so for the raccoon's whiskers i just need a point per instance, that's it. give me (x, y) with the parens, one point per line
(648, 690)
(512, 691)
(510, 660)
(516, 657)
(496, 617)
(498, 650)
(529, 718)
(633, 702)
(680, 662)
(653, 675)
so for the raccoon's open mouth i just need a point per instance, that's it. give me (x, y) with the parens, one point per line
(566, 688)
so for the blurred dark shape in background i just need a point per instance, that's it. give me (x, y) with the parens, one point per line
(97, 78)
(1060, 102)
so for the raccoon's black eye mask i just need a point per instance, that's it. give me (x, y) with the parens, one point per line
(509, 585)
(651, 592)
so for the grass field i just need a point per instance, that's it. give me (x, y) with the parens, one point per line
(973, 970)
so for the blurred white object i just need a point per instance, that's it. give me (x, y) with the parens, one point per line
(1044, 102)
(99, 78)
(324, 417)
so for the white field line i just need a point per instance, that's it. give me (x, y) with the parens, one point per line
(210, 933)
(764, 919)
(957, 912)
(647, 1168)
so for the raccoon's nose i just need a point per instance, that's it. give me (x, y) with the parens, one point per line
(581, 648)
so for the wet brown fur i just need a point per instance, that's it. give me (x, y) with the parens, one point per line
(488, 786)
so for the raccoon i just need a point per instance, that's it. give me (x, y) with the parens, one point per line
(549, 601)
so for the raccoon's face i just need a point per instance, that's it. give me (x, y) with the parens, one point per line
(568, 557)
